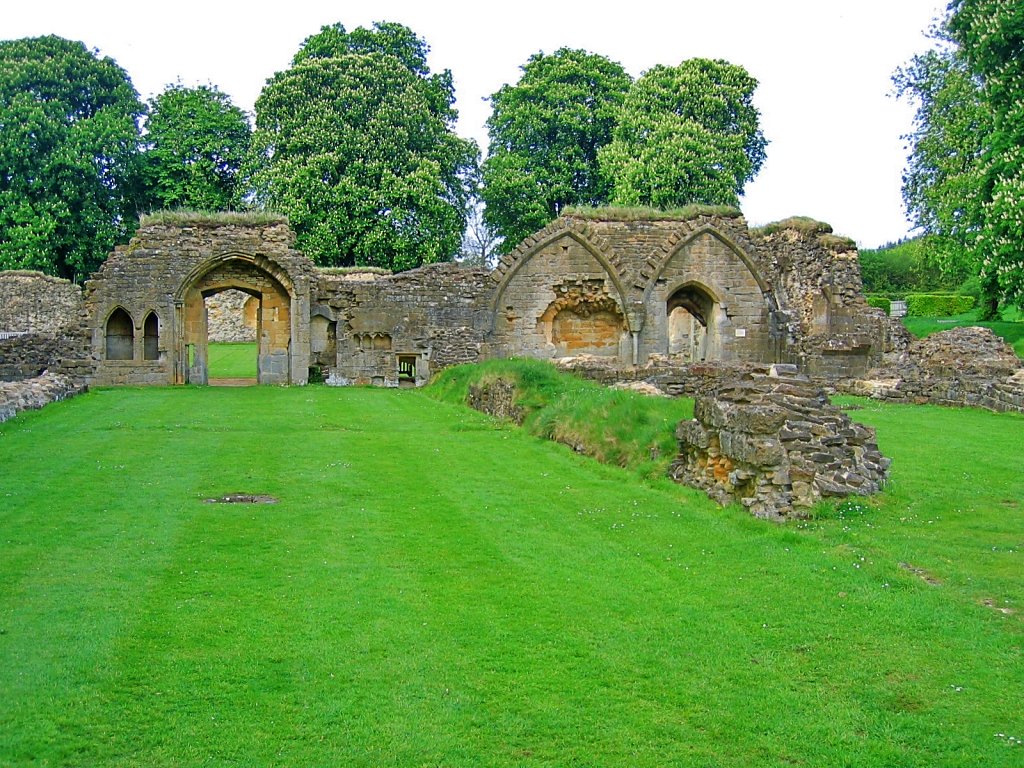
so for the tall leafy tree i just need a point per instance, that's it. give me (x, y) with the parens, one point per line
(196, 141)
(943, 183)
(964, 182)
(686, 134)
(990, 34)
(355, 142)
(545, 132)
(68, 148)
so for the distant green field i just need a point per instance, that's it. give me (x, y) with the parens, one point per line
(232, 360)
(434, 588)
(1011, 328)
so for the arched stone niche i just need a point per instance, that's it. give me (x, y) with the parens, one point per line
(707, 301)
(561, 299)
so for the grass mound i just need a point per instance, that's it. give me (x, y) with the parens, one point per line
(184, 218)
(617, 427)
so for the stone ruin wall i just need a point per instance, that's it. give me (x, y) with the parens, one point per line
(968, 366)
(772, 442)
(832, 332)
(232, 317)
(362, 323)
(40, 341)
(160, 270)
(31, 302)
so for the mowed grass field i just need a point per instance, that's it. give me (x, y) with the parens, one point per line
(437, 589)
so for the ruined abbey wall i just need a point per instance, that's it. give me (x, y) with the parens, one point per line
(146, 304)
(624, 294)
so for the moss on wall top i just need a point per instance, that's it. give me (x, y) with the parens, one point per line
(623, 213)
(212, 219)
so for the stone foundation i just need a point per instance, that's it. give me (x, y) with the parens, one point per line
(960, 367)
(34, 393)
(772, 442)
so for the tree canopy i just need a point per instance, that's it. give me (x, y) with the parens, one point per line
(686, 134)
(545, 132)
(355, 144)
(69, 134)
(196, 142)
(964, 182)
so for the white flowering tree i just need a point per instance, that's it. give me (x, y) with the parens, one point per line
(686, 134)
(355, 143)
(965, 177)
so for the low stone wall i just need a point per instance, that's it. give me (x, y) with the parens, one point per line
(496, 398)
(968, 366)
(772, 442)
(34, 393)
(28, 355)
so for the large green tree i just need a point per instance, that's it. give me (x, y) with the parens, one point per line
(545, 132)
(964, 182)
(355, 142)
(68, 150)
(686, 134)
(990, 34)
(196, 141)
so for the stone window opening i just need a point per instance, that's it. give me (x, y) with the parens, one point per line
(120, 336)
(406, 368)
(151, 337)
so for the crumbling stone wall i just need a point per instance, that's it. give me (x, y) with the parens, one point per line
(231, 316)
(968, 366)
(431, 317)
(772, 442)
(832, 332)
(169, 268)
(699, 289)
(17, 396)
(29, 355)
(31, 302)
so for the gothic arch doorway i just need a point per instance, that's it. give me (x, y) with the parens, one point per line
(273, 312)
(693, 324)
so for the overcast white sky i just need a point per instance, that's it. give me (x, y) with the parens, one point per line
(824, 67)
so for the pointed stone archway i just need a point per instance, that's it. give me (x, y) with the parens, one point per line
(270, 287)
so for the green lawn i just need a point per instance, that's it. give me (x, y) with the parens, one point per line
(1011, 327)
(236, 360)
(437, 589)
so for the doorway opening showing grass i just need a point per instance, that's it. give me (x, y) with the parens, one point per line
(232, 318)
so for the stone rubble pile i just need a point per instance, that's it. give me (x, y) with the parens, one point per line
(772, 442)
(968, 366)
(17, 396)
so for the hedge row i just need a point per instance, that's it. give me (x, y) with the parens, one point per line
(938, 304)
(879, 301)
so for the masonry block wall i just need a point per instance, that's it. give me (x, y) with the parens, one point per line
(146, 304)
(619, 292)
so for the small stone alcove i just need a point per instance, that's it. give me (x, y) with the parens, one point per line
(583, 320)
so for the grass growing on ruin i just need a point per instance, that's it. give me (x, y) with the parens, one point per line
(232, 360)
(436, 588)
(617, 427)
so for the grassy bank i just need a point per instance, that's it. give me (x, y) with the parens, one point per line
(617, 427)
(436, 588)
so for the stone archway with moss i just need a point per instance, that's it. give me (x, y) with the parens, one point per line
(162, 279)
